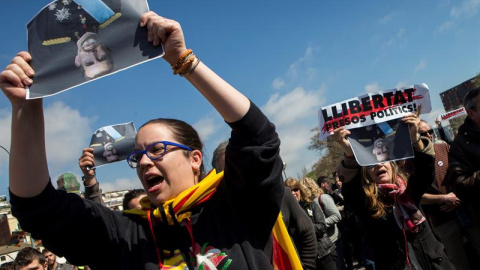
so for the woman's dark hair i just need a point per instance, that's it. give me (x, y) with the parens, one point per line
(129, 196)
(184, 134)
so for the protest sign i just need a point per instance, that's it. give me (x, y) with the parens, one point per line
(452, 114)
(382, 142)
(373, 108)
(73, 42)
(113, 143)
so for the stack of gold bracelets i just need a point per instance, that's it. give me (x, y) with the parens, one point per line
(186, 63)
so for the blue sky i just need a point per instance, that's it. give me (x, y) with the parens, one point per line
(290, 58)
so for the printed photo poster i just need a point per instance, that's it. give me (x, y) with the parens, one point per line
(113, 143)
(373, 108)
(452, 114)
(382, 142)
(73, 42)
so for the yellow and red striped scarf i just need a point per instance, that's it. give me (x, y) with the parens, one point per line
(284, 254)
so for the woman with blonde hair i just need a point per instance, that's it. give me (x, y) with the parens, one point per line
(325, 247)
(386, 200)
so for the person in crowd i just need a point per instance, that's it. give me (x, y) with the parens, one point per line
(68, 182)
(326, 184)
(329, 210)
(296, 220)
(441, 132)
(168, 159)
(7, 266)
(353, 239)
(463, 175)
(52, 263)
(131, 199)
(440, 205)
(86, 162)
(327, 204)
(326, 258)
(30, 258)
(387, 203)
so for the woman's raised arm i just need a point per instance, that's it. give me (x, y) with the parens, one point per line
(228, 101)
(28, 162)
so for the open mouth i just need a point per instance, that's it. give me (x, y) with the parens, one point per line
(381, 172)
(154, 183)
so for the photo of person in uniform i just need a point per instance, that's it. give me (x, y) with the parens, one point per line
(113, 143)
(75, 41)
(381, 142)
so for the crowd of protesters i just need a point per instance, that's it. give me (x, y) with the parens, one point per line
(421, 213)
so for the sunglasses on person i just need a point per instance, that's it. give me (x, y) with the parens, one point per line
(424, 133)
(370, 167)
(295, 189)
(154, 151)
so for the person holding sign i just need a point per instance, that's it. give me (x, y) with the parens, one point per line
(192, 222)
(386, 201)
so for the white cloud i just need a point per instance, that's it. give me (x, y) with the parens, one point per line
(294, 151)
(421, 65)
(294, 115)
(402, 84)
(5, 120)
(5, 127)
(293, 72)
(293, 106)
(121, 184)
(67, 133)
(468, 9)
(385, 19)
(389, 42)
(372, 87)
(431, 116)
(278, 83)
(207, 126)
(445, 26)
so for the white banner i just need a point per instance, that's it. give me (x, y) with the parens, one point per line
(374, 108)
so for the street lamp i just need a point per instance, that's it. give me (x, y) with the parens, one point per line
(5, 149)
(283, 169)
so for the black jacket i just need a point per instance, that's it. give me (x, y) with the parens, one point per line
(315, 213)
(300, 229)
(463, 176)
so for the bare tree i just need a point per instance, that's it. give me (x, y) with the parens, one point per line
(331, 154)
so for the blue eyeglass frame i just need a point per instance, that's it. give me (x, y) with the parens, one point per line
(145, 152)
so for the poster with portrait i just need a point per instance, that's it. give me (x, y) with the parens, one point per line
(382, 142)
(113, 143)
(373, 108)
(73, 42)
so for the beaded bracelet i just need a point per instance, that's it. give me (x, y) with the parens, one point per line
(194, 66)
(184, 67)
(182, 59)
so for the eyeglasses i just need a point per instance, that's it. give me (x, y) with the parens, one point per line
(295, 189)
(154, 151)
(424, 133)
